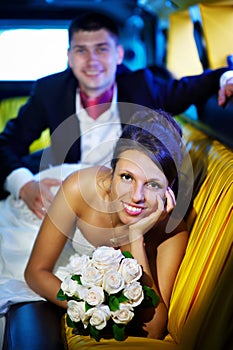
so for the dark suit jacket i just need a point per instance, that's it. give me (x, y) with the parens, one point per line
(52, 105)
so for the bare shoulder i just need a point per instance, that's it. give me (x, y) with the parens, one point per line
(87, 175)
(86, 184)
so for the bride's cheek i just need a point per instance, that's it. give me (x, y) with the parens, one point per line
(154, 207)
(153, 199)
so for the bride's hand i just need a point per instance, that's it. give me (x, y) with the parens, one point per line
(138, 229)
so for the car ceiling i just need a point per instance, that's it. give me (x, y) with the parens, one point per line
(68, 8)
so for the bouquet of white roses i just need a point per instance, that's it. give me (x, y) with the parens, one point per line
(103, 290)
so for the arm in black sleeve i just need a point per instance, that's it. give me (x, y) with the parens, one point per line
(51, 102)
(175, 96)
(19, 133)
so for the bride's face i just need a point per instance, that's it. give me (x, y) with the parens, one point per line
(136, 183)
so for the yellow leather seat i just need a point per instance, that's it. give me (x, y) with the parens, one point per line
(9, 108)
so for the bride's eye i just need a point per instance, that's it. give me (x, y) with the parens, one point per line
(154, 185)
(126, 177)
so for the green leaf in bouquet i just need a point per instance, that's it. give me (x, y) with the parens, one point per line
(119, 331)
(76, 278)
(94, 333)
(127, 254)
(69, 322)
(151, 297)
(113, 303)
(87, 306)
(122, 298)
(61, 296)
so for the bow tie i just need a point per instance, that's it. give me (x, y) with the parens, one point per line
(97, 105)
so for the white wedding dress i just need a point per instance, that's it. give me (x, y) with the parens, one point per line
(18, 230)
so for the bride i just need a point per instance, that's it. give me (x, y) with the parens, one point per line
(129, 206)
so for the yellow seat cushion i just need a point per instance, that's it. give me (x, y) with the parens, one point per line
(73, 342)
(9, 109)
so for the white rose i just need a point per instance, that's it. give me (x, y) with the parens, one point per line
(76, 310)
(81, 291)
(105, 257)
(130, 270)
(91, 277)
(134, 293)
(69, 286)
(124, 315)
(99, 316)
(94, 296)
(78, 263)
(113, 282)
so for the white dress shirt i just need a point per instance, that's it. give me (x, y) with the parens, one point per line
(98, 137)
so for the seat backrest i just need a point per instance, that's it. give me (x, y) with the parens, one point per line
(211, 236)
(9, 109)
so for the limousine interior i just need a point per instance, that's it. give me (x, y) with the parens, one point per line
(173, 38)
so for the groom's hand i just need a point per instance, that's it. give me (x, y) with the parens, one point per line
(38, 195)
